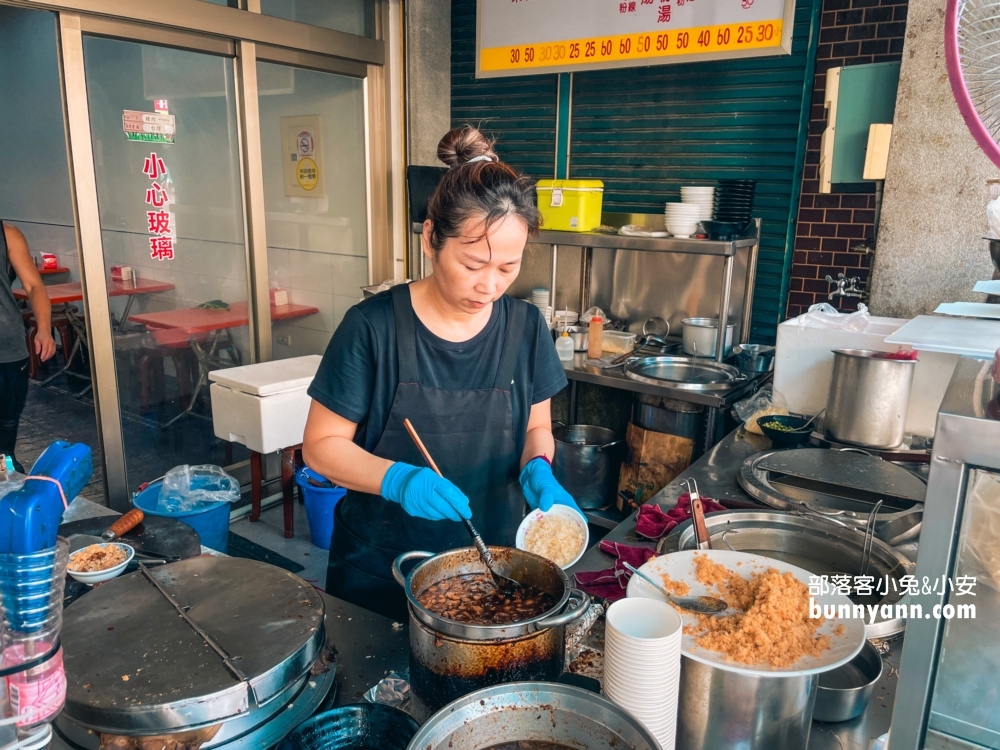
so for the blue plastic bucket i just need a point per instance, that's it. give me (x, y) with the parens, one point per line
(319, 502)
(211, 521)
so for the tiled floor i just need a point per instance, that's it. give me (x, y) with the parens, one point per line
(269, 532)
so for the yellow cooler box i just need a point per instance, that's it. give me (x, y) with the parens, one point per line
(570, 205)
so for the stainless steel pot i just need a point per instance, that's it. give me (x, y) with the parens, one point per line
(755, 357)
(449, 659)
(844, 692)
(700, 336)
(587, 461)
(868, 398)
(720, 708)
(539, 711)
(579, 335)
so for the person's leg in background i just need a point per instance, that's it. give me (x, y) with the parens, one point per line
(13, 393)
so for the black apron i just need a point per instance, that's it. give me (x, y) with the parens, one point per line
(470, 434)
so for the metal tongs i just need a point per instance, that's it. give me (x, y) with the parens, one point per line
(702, 539)
(650, 338)
(505, 584)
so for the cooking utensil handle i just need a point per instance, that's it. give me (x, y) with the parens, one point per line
(484, 551)
(700, 528)
(575, 607)
(123, 525)
(397, 564)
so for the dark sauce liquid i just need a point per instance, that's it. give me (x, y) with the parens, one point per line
(476, 600)
(529, 745)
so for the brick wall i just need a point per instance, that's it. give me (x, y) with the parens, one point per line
(853, 32)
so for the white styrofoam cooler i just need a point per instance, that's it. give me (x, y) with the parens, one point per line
(803, 367)
(263, 406)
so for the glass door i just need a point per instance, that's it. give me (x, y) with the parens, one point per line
(312, 126)
(48, 399)
(169, 189)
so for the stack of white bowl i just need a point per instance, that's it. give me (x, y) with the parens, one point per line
(563, 318)
(642, 663)
(701, 196)
(540, 299)
(682, 219)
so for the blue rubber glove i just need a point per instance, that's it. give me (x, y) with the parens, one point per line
(541, 489)
(424, 494)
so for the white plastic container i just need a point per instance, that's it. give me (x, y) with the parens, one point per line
(263, 406)
(803, 366)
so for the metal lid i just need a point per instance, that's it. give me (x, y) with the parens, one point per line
(684, 373)
(135, 665)
(842, 485)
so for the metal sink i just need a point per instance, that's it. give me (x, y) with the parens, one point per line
(684, 373)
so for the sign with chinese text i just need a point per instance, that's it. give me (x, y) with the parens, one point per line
(159, 220)
(519, 37)
(150, 127)
(301, 156)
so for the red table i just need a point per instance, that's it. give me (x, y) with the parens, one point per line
(202, 330)
(72, 291)
(199, 327)
(57, 269)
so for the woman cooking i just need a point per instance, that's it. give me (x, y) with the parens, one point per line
(473, 370)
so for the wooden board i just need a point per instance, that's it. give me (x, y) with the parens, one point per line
(654, 460)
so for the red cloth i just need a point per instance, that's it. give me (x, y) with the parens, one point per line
(652, 522)
(610, 583)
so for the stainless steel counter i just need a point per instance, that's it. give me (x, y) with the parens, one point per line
(578, 370)
(716, 473)
(369, 646)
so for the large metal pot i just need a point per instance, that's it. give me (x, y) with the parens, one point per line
(586, 462)
(718, 708)
(700, 336)
(449, 659)
(539, 711)
(868, 398)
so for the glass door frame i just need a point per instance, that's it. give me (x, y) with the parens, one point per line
(245, 36)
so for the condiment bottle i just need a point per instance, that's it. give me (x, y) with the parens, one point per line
(595, 338)
(564, 347)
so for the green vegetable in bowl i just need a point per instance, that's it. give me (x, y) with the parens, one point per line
(779, 427)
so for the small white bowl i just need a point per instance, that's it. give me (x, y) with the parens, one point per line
(681, 231)
(100, 576)
(556, 510)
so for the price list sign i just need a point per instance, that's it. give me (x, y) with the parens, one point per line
(520, 37)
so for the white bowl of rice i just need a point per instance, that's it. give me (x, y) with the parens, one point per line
(560, 535)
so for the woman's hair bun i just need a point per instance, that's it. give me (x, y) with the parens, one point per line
(463, 144)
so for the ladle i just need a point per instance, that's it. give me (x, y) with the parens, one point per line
(703, 605)
(505, 584)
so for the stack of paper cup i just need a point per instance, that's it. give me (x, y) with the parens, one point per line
(642, 663)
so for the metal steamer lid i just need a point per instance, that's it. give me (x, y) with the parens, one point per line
(840, 485)
(190, 644)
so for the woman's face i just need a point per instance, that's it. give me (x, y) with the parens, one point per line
(471, 272)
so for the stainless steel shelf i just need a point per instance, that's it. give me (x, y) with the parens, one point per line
(579, 371)
(641, 244)
(645, 244)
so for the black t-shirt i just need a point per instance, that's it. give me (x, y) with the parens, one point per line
(358, 375)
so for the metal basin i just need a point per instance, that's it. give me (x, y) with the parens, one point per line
(684, 373)
(844, 692)
(817, 545)
(539, 711)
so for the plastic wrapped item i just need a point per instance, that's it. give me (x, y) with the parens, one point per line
(191, 487)
(392, 690)
(826, 316)
(993, 217)
(764, 403)
(983, 526)
(594, 312)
